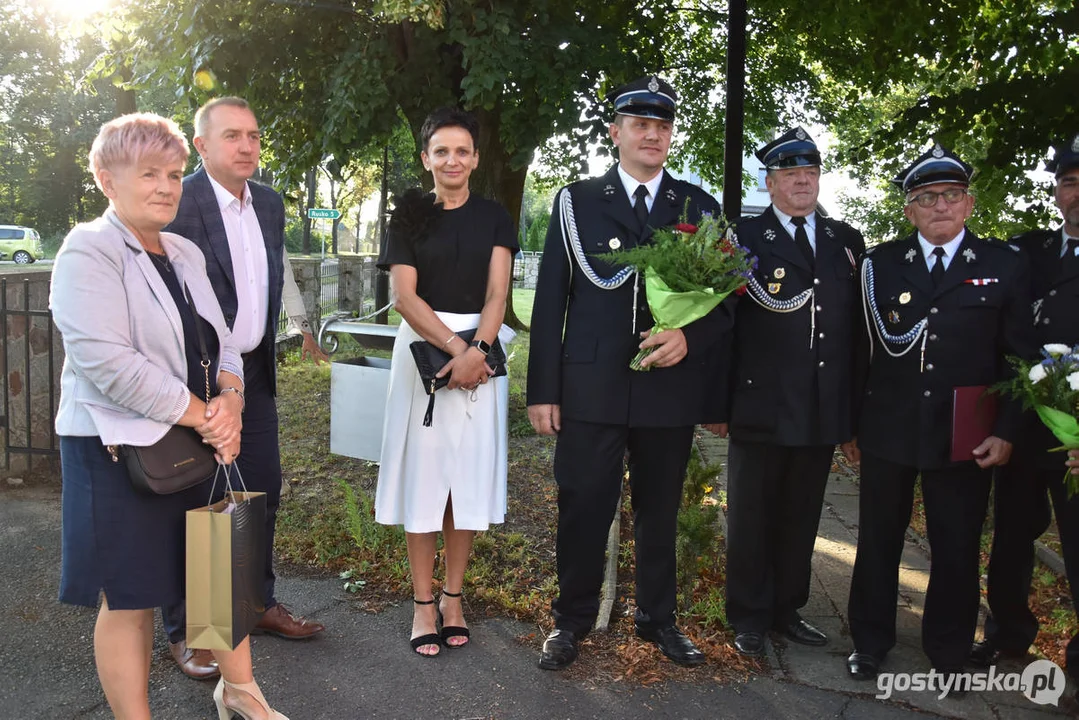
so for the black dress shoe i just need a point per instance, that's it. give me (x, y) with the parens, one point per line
(862, 666)
(801, 632)
(672, 643)
(749, 643)
(559, 650)
(984, 653)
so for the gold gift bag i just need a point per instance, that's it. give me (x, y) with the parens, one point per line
(226, 570)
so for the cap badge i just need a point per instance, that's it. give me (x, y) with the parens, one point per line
(780, 273)
(969, 255)
(938, 151)
(773, 288)
(800, 134)
(893, 317)
(614, 243)
(653, 85)
(1075, 144)
(911, 254)
(904, 298)
(770, 235)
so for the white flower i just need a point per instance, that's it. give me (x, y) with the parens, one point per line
(1038, 373)
(1073, 381)
(1056, 349)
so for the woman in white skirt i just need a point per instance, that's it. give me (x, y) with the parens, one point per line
(449, 255)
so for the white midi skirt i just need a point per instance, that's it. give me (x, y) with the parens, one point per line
(462, 454)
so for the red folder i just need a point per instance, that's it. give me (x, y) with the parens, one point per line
(974, 412)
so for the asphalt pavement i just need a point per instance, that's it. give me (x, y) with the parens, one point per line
(361, 667)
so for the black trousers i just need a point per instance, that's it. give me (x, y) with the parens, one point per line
(956, 499)
(259, 464)
(774, 499)
(1021, 514)
(589, 464)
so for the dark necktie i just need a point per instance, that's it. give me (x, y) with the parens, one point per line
(801, 239)
(938, 267)
(1069, 263)
(640, 207)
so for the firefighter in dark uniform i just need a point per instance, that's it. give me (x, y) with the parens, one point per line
(1023, 486)
(580, 385)
(787, 394)
(944, 308)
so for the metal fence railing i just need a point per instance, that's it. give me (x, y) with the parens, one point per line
(328, 301)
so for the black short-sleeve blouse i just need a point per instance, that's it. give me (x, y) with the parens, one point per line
(453, 258)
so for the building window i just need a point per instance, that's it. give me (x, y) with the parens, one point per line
(761, 174)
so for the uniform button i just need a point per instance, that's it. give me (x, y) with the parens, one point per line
(929, 366)
(816, 281)
(1045, 321)
(927, 393)
(933, 337)
(821, 336)
(820, 364)
(819, 308)
(749, 382)
(983, 298)
(933, 311)
(1052, 293)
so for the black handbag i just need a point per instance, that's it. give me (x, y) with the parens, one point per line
(180, 459)
(430, 359)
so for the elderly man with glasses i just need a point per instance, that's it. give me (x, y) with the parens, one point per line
(943, 308)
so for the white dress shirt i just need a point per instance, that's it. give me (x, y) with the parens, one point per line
(631, 184)
(249, 268)
(1064, 242)
(950, 249)
(811, 226)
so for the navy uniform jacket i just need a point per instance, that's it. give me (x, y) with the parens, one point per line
(778, 389)
(1056, 320)
(906, 412)
(587, 371)
(199, 220)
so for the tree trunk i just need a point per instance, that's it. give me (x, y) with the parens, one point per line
(311, 181)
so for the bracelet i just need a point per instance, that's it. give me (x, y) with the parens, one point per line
(449, 340)
(238, 391)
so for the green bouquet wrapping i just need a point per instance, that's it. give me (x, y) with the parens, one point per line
(1051, 387)
(688, 271)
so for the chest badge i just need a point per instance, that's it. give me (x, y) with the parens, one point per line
(614, 243)
(769, 235)
(779, 273)
(969, 255)
(893, 317)
(904, 298)
(774, 288)
(911, 254)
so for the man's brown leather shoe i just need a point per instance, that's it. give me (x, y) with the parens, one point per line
(196, 664)
(280, 621)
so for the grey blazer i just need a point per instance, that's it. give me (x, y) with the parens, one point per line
(125, 372)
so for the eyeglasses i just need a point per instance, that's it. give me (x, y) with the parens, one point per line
(929, 199)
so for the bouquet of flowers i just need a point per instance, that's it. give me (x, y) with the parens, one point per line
(688, 271)
(1051, 387)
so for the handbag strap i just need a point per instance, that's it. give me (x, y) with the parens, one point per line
(202, 339)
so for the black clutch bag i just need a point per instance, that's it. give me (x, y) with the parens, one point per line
(430, 359)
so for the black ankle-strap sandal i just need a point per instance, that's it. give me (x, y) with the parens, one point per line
(452, 631)
(428, 639)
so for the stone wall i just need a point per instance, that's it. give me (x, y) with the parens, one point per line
(308, 274)
(31, 355)
(526, 269)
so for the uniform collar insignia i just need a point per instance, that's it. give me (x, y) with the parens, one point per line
(672, 195)
(969, 255)
(770, 235)
(608, 189)
(911, 254)
(828, 231)
(1048, 243)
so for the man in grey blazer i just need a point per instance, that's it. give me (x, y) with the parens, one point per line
(240, 227)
